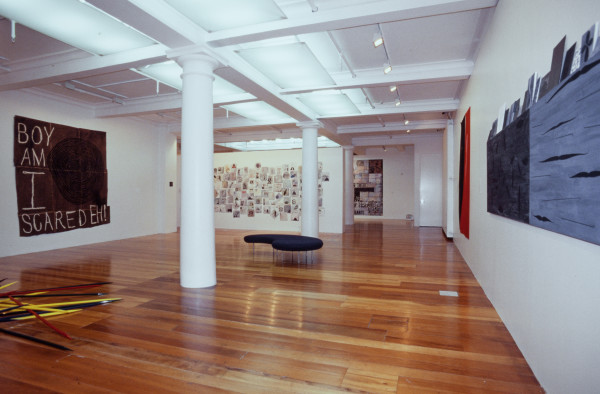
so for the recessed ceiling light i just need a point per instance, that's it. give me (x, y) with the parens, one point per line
(330, 104)
(76, 23)
(289, 66)
(228, 14)
(258, 111)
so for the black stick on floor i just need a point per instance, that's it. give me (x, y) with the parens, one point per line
(34, 339)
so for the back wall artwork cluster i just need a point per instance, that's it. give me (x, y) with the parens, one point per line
(61, 177)
(368, 187)
(261, 190)
(543, 160)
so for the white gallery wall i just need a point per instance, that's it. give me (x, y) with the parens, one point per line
(544, 285)
(141, 160)
(398, 180)
(331, 216)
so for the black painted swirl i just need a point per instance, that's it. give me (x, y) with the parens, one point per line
(78, 171)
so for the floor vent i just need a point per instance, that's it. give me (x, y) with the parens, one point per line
(448, 293)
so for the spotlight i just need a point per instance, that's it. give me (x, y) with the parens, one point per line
(387, 68)
(377, 40)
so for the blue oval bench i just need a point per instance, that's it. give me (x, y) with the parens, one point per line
(286, 242)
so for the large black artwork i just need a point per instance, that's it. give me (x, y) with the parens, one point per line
(508, 171)
(544, 167)
(61, 177)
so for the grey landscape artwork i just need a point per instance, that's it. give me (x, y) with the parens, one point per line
(544, 167)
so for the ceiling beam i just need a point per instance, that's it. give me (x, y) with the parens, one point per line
(81, 68)
(399, 139)
(169, 17)
(257, 135)
(406, 107)
(400, 75)
(234, 122)
(393, 126)
(343, 18)
(165, 103)
(250, 80)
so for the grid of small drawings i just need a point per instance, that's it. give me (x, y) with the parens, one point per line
(261, 190)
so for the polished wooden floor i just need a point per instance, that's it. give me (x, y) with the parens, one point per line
(365, 316)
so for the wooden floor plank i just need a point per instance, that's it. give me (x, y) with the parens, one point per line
(365, 316)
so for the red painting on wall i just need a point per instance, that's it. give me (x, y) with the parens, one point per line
(464, 182)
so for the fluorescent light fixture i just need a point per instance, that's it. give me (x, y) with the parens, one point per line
(169, 73)
(387, 68)
(223, 88)
(277, 144)
(377, 40)
(393, 88)
(227, 14)
(76, 23)
(329, 104)
(258, 111)
(289, 66)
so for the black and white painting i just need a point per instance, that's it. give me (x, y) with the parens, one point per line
(544, 168)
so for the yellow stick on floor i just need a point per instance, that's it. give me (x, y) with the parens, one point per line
(37, 308)
(65, 303)
(6, 285)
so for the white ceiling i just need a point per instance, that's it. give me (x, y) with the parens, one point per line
(302, 57)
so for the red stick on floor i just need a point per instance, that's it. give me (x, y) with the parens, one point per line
(46, 322)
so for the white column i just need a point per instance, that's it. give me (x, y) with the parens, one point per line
(348, 185)
(310, 182)
(197, 239)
